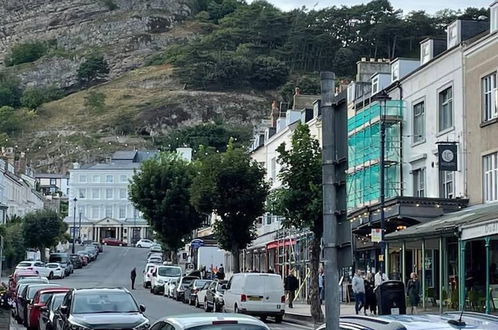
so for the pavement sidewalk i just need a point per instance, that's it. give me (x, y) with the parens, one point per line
(301, 312)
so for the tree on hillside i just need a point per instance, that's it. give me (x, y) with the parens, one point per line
(42, 229)
(10, 92)
(94, 69)
(9, 120)
(161, 191)
(232, 186)
(26, 52)
(300, 199)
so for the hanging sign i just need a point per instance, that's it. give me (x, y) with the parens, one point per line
(376, 235)
(447, 157)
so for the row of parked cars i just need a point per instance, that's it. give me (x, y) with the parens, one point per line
(257, 294)
(31, 295)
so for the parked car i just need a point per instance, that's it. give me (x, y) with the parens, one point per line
(57, 270)
(97, 245)
(213, 321)
(64, 260)
(170, 287)
(37, 266)
(179, 292)
(201, 294)
(85, 258)
(21, 284)
(97, 308)
(76, 261)
(419, 322)
(38, 301)
(214, 296)
(191, 291)
(20, 275)
(144, 243)
(25, 298)
(46, 320)
(160, 275)
(148, 270)
(257, 294)
(92, 254)
(156, 248)
(155, 260)
(113, 242)
(154, 254)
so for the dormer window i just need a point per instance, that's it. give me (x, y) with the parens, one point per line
(426, 52)
(453, 34)
(494, 18)
(375, 85)
(395, 71)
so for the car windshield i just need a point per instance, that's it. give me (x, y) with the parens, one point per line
(200, 283)
(169, 271)
(104, 302)
(52, 265)
(57, 301)
(46, 296)
(227, 327)
(24, 264)
(186, 281)
(34, 289)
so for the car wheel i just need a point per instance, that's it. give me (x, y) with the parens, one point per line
(279, 318)
(51, 275)
(206, 306)
(151, 289)
(263, 318)
(196, 303)
(139, 246)
(236, 310)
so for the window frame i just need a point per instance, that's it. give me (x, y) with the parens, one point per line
(83, 178)
(444, 182)
(111, 178)
(488, 113)
(441, 105)
(418, 189)
(107, 208)
(107, 195)
(490, 175)
(418, 139)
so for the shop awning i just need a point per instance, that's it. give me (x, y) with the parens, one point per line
(461, 221)
(280, 243)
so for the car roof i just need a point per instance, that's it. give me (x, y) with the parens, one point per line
(24, 272)
(440, 321)
(55, 290)
(100, 290)
(194, 320)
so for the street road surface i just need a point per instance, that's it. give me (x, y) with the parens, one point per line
(112, 269)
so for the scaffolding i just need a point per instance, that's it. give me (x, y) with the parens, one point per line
(363, 182)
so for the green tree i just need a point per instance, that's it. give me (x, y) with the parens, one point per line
(300, 200)
(268, 72)
(94, 69)
(231, 185)
(42, 229)
(26, 52)
(10, 92)
(95, 101)
(161, 191)
(14, 248)
(10, 122)
(33, 97)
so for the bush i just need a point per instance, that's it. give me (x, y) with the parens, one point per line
(10, 92)
(95, 101)
(26, 53)
(110, 4)
(95, 68)
(9, 120)
(34, 97)
(268, 72)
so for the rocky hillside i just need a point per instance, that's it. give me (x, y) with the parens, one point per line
(125, 31)
(136, 104)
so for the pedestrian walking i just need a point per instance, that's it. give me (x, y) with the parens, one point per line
(221, 273)
(133, 276)
(380, 278)
(413, 291)
(291, 284)
(370, 298)
(359, 292)
(321, 285)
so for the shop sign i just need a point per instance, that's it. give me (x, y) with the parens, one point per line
(487, 229)
(376, 235)
(447, 157)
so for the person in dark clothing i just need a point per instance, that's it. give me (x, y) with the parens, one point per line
(133, 276)
(413, 290)
(291, 284)
(221, 273)
(370, 298)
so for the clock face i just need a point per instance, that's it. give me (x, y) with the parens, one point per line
(448, 156)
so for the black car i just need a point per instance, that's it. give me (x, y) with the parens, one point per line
(182, 285)
(192, 289)
(214, 296)
(48, 311)
(100, 308)
(76, 260)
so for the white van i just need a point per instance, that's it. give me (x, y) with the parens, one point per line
(161, 274)
(257, 294)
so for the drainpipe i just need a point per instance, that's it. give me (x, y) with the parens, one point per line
(398, 85)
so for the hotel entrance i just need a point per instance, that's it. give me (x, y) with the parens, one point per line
(108, 232)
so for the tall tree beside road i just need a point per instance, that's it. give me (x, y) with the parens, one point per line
(300, 199)
(43, 229)
(231, 185)
(161, 191)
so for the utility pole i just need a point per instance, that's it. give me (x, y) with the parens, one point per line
(79, 231)
(330, 227)
(74, 222)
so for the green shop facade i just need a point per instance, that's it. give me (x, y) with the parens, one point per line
(455, 256)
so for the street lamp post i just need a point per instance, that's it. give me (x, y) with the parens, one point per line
(74, 222)
(382, 98)
(79, 230)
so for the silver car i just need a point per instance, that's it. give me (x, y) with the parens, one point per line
(213, 321)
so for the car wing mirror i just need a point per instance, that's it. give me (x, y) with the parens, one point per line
(142, 308)
(224, 287)
(44, 309)
(64, 309)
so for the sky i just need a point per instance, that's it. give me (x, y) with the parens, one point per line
(430, 6)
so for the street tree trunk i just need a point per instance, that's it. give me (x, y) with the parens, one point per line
(315, 308)
(236, 258)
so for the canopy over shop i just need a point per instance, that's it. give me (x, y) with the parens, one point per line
(448, 254)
